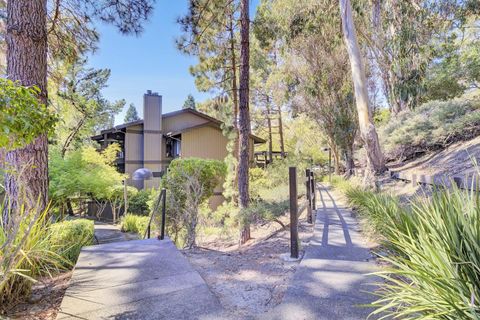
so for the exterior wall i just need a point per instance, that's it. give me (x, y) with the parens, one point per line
(134, 153)
(181, 121)
(207, 143)
(204, 142)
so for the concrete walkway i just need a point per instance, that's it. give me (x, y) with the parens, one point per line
(107, 233)
(139, 279)
(331, 281)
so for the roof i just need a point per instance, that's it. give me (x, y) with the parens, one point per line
(214, 121)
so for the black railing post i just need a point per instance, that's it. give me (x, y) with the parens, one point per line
(294, 243)
(314, 193)
(164, 205)
(148, 231)
(308, 185)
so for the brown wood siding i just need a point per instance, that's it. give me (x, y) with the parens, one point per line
(204, 142)
(181, 122)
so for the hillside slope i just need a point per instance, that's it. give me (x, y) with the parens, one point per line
(457, 160)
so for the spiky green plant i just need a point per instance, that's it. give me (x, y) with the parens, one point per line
(136, 224)
(68, 237)
(437, 273)
(434, 265)
(26, 253)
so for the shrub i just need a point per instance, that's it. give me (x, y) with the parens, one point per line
(190, 182)
(432, 125)
(25, 253)
(437, 274)
(68, 238)
(433, 270)
(138, 203)
(135, 224)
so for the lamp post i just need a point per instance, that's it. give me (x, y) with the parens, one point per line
(329, 163)
(125, 198)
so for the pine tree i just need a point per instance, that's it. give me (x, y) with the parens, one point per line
(26, 38)
(132, 114)
(190, 103)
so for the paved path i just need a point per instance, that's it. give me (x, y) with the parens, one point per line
(331, 281)
(107, 233)
(139, 279)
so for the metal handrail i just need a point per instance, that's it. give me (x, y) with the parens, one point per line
(161, 198)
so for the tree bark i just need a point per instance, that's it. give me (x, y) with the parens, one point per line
(27, 178)
(269, 125)
(244, 115)
(280, 131)
(375, 159)
(236, 141)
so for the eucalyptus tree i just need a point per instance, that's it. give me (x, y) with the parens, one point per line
(314, 67)
(406, 38)
(28, 25)
(375, 158)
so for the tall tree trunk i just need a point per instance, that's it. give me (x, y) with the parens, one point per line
(269, 124)
(349, 164)
(27, 62)
(244, 115)
(236, 141)
(375, 159)
(280, 131)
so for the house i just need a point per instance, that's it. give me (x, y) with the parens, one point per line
(161, 137)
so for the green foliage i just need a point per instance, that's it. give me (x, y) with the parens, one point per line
(438, 260)
(457, 67)
(27, 250)
(135, 224)
(189, 103)
(210, 174)
(138, 203)
(81, 106)
(22, 116)
(116, 197)
(435, 253)
(189, 183)
(381, 116)
(68, 238)
(432, 125)
(131, 114)
(83, 172)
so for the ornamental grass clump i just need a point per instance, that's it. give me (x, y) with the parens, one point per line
(25, 253)
(68, 237)
(135, 224)
(436, 271)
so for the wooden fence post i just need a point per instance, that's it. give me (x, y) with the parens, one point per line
(308, 185)
(314, 193)
(294, 243)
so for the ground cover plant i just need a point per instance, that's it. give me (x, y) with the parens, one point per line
(434, 243)
(134, 223)
(433, 125)
(69, 237)
(31, 246)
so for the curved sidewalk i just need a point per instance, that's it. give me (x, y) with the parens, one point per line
(331, 281)
(140, 279)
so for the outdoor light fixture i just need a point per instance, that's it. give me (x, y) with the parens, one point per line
(329, 163)
(142, 174)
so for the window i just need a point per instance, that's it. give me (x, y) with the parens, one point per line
(177, 148)
(174, 147)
